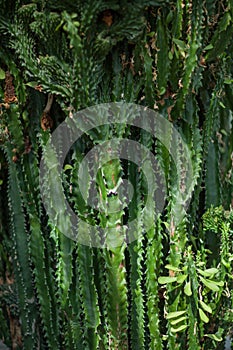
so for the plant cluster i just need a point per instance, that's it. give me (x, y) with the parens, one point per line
(172, 287)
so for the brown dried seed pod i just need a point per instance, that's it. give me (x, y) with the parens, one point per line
(14, 158)
(107, 17)
(39, 88)
(46, 121)
(9, 93)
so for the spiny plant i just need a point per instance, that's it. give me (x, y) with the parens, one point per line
(172, 287)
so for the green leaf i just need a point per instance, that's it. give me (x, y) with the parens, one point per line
(205, 307)
(226, 264)
(32, 84)
(170, 55)
(222, 104)
(203, 316)
(178, 320)
(175, 314)
(181, 278)
(187, 289)
(210, 284)
(73, 15)
(166, 279)
(172, 268)
(2, 74)
(219, 283)
(208, 272)
(68, 167)
(228, 81)
(211, 271)
(151, 34)
(179, 329)
(208, 47)
(181, 44)
(214, 337)
(162, 90)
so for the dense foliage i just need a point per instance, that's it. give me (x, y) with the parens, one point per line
(172, 287)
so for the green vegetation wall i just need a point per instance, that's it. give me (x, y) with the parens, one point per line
(172, 287)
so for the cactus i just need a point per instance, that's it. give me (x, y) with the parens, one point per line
(171, 288)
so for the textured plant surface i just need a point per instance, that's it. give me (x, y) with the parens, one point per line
(172, 287)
